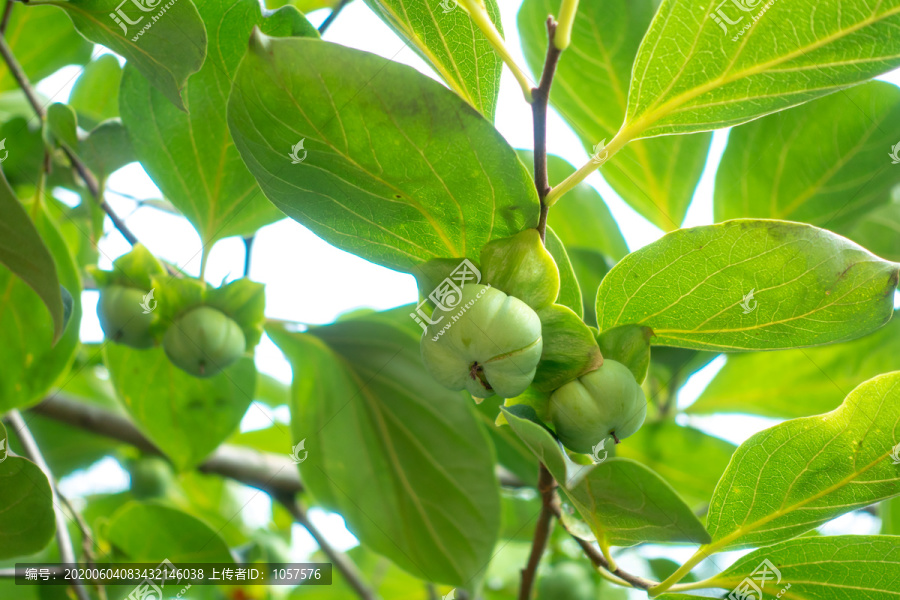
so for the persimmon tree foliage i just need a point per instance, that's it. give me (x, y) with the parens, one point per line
(516, 433)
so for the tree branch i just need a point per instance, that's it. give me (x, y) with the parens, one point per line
(4, 20)
(343, 563)
(540, 101)
(90, 181)
(549, 508)
(63, 540)
(334, 15)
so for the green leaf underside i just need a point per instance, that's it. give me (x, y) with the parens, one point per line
(810, 287)
(690, 76)
(401, 458)
(452, 44)
(795, 476)
(879, 231)
(590, 90)
(23, 252)
(823, 163)
(43, 40)
(191, 156)
(32, 364)
(799, 383)
(623, 501)
(186, 417)
(167, 53)
(847, 567)
(399, 170)
(27, 520)
(95, 96)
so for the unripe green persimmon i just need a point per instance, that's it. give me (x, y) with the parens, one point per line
(604, 402)
(122, 318)
(490, 343)
(204, 341)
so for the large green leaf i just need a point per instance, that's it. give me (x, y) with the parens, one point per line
(822, 163)
(689, 459)
(397, 169)
(152, 533)
(23, 252)
(693, 288)
(690, 75)
(43, 40)
(27, 520)
(31, 362)
(186, 417)
(795, 476)
(191, 157)
(799, 383)
(401, 458)
(847, 567)
(95, 96)
(590, 89)
(167, 43)
(623, 501)
(452, 43)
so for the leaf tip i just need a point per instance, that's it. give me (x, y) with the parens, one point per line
(259, 42)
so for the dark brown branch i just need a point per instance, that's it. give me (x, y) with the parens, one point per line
(4, 20)
(63, 540)
(600, 562)
(334, 15)
(549, 508)
(343, 563)
(540, 101)
(90, 181)
(248, 254)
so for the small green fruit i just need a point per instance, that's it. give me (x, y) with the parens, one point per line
(604, 402)
(204, 341)
(566, 581)
(521, 266)
(151, 477)
(490, 343)
(122, 318)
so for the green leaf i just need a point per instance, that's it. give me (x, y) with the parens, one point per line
(399, 170)
(690, 75)
(401, 458)
(27, 521)
(879, 231)
(693, 288)
(62, 124)
(818, 163)
(166, 43)
(43, 41)
(799, 383)
(795, 476)
(569, 290)
(186, 417)
(657, 177)
(107, 148)
(590, 268)
(846, 566)
(889, 510)
(152, 533)
(687, 458)
(569, 349)
(623, 501)
(452, 44)
(191, 157)
(32, 356)
(95, 96)
(23, 252)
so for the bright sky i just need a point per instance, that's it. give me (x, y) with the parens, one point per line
(309, 281)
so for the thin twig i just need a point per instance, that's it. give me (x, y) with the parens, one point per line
(248, 254)
(334, 15)
(549, 508)
(4, 21)
(343, 563)
(90, 181)
(63, 540)
(600, 561)
(540, 101)
(87, 542)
